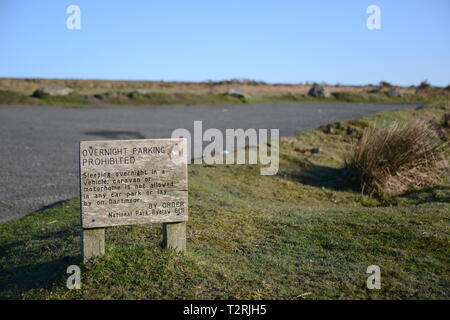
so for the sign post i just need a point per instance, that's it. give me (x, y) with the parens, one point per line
(129, 182)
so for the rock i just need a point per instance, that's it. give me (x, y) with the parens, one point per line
(137, 93)
(141, 92)
(237, 94)
(394, 93)
(100, 96)
(328, 129)
(115, 94)
(51, 91)
(317, 91)
(351, 131)
(108, 95)
(331, 128)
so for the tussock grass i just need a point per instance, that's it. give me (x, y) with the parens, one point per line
(397, 158)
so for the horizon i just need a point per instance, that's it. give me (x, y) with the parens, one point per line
(243, 80)
(286, 42)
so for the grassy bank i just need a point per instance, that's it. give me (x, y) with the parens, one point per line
(306, 233)
(10, 97)
(104, 92)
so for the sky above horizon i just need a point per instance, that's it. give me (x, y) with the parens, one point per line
(277, 41)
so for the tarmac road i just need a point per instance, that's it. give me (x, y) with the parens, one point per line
(39, 144)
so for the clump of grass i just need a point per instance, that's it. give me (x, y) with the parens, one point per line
(11, 97)
(397, 158)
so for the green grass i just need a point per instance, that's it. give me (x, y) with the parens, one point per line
(8, 97)
(11, 97)
(305, 230)
(348, 97)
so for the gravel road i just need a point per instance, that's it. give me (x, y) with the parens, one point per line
(39, 144)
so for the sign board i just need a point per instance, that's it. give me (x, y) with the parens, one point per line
(127, 182)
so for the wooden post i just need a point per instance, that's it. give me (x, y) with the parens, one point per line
(174, 236)
(92, 243)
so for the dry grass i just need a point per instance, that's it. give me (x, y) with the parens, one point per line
(250, 87)
(16, 91)
(399, 157)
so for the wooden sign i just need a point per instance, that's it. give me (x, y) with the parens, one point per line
(128, 182)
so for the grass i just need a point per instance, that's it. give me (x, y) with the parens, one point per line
(398, 157)
(122, 93)
(12, 97)
(305, 230)
(8, 97)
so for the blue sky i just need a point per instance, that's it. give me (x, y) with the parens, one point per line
(274, 41)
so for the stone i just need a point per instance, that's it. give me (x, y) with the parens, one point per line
(100, 96)
(137, 93)
(51, 91)
(394, 93)
(237, 94)
(317, 91)
(108, 95)
(328, 129)
(351, 131)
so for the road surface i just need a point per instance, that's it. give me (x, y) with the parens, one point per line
(39, 144)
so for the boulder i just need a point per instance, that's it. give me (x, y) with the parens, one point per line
(317, 91)
(51, 91)
(137, 93)
(237, 94)
(108, 95)
(101, 96)
(394, 93)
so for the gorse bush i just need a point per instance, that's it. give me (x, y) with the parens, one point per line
(385, 84)
(424, 85)
(396, 158)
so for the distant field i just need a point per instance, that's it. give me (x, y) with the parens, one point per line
(107, 92)
(306, 233)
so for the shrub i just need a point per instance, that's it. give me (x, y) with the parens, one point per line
(423, 85)
(396, 158)
(385, 84)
